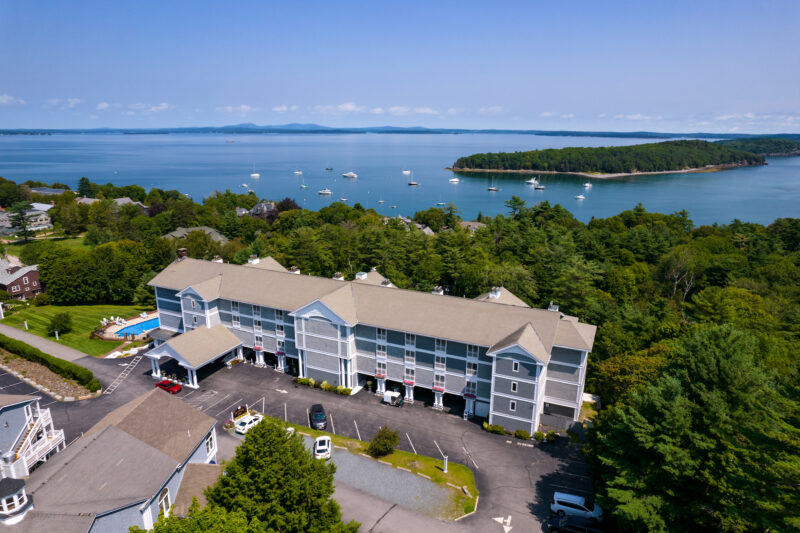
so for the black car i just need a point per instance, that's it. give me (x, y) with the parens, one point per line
(318, 418)
(573, 524)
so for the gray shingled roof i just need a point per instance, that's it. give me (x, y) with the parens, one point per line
(11, 399)
(181, 233)
(201, 345)
(7, 279)
(196, 478)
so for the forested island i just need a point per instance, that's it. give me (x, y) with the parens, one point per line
(613, 161)
(765, 146)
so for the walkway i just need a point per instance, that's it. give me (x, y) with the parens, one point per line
(47, 346)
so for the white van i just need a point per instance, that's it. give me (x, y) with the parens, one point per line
(570, 504)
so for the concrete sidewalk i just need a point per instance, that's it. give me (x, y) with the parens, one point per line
(47, 346)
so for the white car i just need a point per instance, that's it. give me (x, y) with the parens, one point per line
(322, 448)
(246, 422)
(570, 504)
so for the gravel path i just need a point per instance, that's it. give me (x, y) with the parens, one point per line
(389, 483)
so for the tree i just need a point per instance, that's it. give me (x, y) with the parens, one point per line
(61, 323)
(86, 188)
(384, 442)
(515, 204)
(19, 219)
(209, 518)
(274, 478)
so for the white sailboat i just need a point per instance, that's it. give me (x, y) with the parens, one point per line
(587, 185)
(532, 181)
(580, 197)
(412, 183)
(350, 175)
(492, 188)
(254, 175)
(298, 172)
(325, 192)
(453, 180)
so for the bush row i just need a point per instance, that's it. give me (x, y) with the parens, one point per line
(59, 366)
(311, 382)
(550, 436)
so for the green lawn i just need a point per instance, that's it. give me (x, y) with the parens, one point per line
(85, 318)
(75, 243)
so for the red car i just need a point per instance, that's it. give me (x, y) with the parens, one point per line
(167, 385)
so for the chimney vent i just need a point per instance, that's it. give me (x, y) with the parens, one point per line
(217, 259)
(495, 292)
(294, 270)
(361, 275)
(552, 306)
(438, 290)
(338, 276)
(386, 283)
(254, 260)
(182, 253)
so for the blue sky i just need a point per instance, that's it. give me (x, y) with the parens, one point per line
(582, 65)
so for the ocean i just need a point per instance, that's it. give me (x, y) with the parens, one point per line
(199, 164)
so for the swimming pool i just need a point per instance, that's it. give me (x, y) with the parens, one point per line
(135, 329)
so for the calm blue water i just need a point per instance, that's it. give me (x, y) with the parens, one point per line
(199, 164)
(139, 328)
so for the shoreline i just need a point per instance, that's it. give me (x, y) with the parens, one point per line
(600, 175)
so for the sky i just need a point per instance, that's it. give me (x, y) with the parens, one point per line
(679, 66)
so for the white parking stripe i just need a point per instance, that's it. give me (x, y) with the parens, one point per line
(215, 403)
(231, 405)
(412, 444)
(357, 432)
(332, 426)
(7, 386)
(437, 447)
(51, 403)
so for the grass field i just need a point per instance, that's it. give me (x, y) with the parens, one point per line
(85, 318)
(74, 243)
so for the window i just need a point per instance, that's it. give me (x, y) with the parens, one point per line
(15, 288)
(235, 307)
(380, 350)
(515, 366)
(259, 340)
(279, 330)
(281, 346)
(441, 345)
(410, 338)
(380, 368)
(163, 501)
(439, 363)
(409, 357)
(210, 443)
(278, 314)
(194, 304)
(35, 283)
(194, 320)
(513, 386)
(256, 309)
(512, 405)
(472, 351)
(409, 374)
(257, 325)
(25, 280)
(471, 388)
(472, 368)
(438, 381)
(380, 334)
(236, 321)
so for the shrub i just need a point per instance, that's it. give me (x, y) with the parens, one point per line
(325, 386)
(551, 436)
(494, 428)
(59, 366)
(539, 435)
(42, 299)
(522, 434)
(383, 442)
(61, 322)
(311, 382)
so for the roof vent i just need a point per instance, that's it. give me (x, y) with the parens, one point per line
(361, 275)
(338, 276)
(182, 253)
(494, 293)
(438, 290)
(552, 306)
(217, 259)
(294, 270)
(254, 260)
(386, 283)
(373, 269)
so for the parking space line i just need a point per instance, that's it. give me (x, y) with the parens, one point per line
(231, 405)
(412, 444)
(187, 395)
(217, 402)
(308, 418)
(7, 386)
(285, 416)
(357, 432)
(437, 447)
(50, 403)
(469, 456)
(332, 426)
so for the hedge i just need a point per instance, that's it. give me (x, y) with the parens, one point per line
(63, 368)
(344, 391)
(494, 428)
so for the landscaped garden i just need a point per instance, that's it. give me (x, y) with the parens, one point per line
(84, 320)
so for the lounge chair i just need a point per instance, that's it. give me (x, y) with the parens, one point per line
(143, 315)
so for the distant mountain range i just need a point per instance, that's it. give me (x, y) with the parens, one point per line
(316, 128)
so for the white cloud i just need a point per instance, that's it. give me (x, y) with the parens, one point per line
(376, 110)
(491, 110)
(351, 107)
(129, 113)
(52, 102)
(93, 117)
(454, 111)
(146, 109)
(602, 115)
(243, 109)
(638, 116)
(425, 111)
(283, 108)
(102, 106)
(547, 114)
(72, 103)
(7, 99)
(399, 110)
(568, 115)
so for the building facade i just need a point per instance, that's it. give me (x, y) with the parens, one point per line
(20, 283)
(492, 357)
(27, 435)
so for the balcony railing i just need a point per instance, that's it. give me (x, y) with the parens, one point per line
(42, 447)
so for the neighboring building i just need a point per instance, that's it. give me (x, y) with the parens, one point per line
(123, 471)
(48, 191)
(181, 233)
(264, 210)
(472, 226)
(37, 220)
(37, 206)
(501, 295)
(408, 222)
(27, 435)
(119, 202)
(20, 283)
(515, 365)
(241, 211)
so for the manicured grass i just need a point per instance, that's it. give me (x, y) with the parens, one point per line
(74, 243)
(85, 318)
(457, 474)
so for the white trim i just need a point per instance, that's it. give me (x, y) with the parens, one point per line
(513, 417)
(558, 380)
(512, 397)
(514, 378)
(559, 401)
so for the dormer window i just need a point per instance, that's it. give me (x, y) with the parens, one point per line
(515, 366)
(472, 351)
(256, 309)
(164, 502)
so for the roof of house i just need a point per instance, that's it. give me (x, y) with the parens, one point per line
(12, 399)
(526, 338)
(504, 296)
(48, 191)
(447, 317)
(373, 277)
(9, 486)
(268, 263)
(7, 277)
(201, 345)
(119, 201)
(196, 478)
(181, 233)
(41, 207)
(471, 225)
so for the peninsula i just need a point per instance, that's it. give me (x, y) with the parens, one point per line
(766, 146)
(616, 161)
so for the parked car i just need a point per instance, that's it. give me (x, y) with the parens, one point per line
(318, 418)
(573, 524)
(170, 387)
(322, 448)
(564, 504)
(246, 422)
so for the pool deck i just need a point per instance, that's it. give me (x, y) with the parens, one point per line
(110, 331)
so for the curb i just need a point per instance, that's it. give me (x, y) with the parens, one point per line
(477, 498)
(47, 391)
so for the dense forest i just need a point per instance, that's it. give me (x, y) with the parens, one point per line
(764, 145)
(697, 355)
(652, 157)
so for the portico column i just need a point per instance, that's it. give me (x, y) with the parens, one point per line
(239, 354)
(192, 375)
(437, 402)
(259, 357)
(381, 385)
(155, 368)
(410, 393)
(281, 362)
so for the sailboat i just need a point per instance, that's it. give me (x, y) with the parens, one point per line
(492, 188)
(587, 185)
(298, 172)
(454, 180)
(255, 175)
(532, 181)
(412, 183)
(325, 192)
(580, 197)
(351, 175)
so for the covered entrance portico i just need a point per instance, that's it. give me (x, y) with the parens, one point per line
(195, 349)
